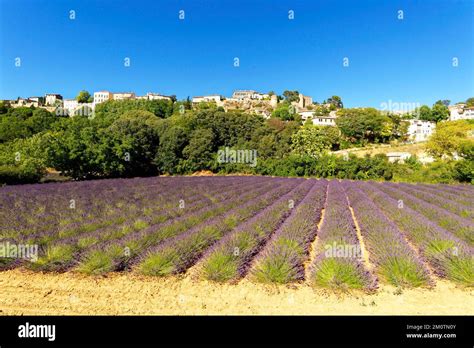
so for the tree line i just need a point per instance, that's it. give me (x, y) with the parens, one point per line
(152, 137)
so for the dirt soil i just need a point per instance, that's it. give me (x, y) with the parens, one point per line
(28, 293)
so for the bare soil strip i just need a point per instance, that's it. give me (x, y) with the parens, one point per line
(32, 293)
(365, 254)
(313, 245)
(415, 249)
(274, 233)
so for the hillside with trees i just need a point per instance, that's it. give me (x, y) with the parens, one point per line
(142, 138)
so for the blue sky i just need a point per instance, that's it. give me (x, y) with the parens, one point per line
(407, 60)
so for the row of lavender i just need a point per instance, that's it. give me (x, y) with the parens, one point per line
(332, 234)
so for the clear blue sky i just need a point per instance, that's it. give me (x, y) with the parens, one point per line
(407, 60)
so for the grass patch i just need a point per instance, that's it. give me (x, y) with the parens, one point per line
(279, 266)
(461, 269)
(439, 246)
(401, 272)
(55, 258)
(86, 242)
(338, 274)
(98, 262)
(275, 269)
(220, 267)
(161, 264)
(140, 224)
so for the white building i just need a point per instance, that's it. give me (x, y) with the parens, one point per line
(260, 96)
(249, 94)
(460, 112)
(36, 100)
(156, 96)
(84, 109)
(123, 95)
(398, 156)
(102, 96)
(70, 105)
(27, 102)
(328, 120)
(324, 120)
(243, 94)
(305, 115)
(419, 130)
(208, 98)
(51, 98)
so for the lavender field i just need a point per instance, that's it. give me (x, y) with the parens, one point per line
(331, 234)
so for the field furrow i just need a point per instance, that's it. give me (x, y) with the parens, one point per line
(395, 262)
(176, 255)
(229, 259)
(117, 254)
(442, 202)
(331, 234)
(338, 263)
(460, 227)
(449, 256)
(282, 260)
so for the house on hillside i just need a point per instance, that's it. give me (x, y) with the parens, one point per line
(329, 120)
(249, 95)
(398, 156)
(70, 105)
(123, 95)
(217, 98)
(419, 130)
(156, 96)
(460, 112)
(52, 98)
(102, 96)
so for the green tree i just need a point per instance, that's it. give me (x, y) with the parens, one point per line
(291, 96)
(470, 102)
(110, 110)
(424, 113)
(439, 112)
(12, 128)
(321, 110)
(464, 171)
(40, 120)
(170, 152)
(4, 107)
(312, 141)
(74, 148)
(285, 112)
(200, 150)
(129, 146)
(399, 127)
(444, 102)
(364, 124)
(450, 138)
(21, 113)
(336, 101)
(229, 128)
(84, 97)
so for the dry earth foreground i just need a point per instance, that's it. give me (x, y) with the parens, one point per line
(236, 245)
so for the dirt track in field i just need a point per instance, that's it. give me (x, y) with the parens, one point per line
(27, 293)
